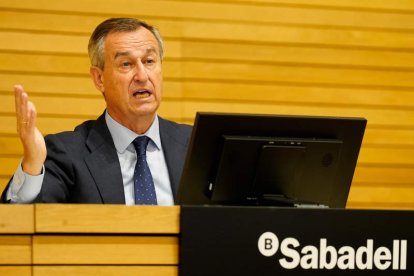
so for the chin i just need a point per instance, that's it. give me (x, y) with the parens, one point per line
(145, 112)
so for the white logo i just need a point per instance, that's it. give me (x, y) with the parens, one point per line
(268, 244)
(325, 256)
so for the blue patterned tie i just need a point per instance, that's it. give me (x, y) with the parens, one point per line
(143, 184)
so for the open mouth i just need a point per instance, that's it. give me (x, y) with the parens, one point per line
(142, 93)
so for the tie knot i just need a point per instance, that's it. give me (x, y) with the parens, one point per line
(140, 144)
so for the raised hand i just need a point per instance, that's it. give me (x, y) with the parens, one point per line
(34, 146)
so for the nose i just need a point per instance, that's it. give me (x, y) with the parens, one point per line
(141, 74)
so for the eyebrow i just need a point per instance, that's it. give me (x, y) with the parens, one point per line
(122, 54)
(128, 53)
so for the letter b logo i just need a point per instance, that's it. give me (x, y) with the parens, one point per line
(268, 244)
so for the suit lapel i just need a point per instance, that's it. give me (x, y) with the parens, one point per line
(103, 163)
(174, 152)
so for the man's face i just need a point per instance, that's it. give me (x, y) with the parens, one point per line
(132, 76)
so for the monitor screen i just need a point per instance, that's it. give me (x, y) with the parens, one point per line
(278, 160)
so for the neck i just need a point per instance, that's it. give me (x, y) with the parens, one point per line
(137, 124)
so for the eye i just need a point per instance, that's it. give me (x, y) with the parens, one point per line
(126, 64)
(150, 60)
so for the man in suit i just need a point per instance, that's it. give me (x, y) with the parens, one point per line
(95, 162)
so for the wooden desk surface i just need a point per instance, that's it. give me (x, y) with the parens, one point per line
(16, 219)
(64, 218)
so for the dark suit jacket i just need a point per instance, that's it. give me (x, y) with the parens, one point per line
(82, 166)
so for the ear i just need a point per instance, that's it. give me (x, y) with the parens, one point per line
(97, 77)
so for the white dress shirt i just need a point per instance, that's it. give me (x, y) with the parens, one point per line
(24, 188)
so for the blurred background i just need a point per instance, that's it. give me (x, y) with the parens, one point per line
(307, 57)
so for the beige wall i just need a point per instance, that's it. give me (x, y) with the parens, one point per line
(313, 57)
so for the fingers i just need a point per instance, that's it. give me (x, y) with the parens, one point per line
(21, 99)
(25, 111)
(31, 119)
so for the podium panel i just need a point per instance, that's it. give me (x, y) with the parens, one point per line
(16, 270)
(15, 249)
(78, 239)
(288, 241)
(54, 239)
(105, 249)
(16, 229)
(107, 270)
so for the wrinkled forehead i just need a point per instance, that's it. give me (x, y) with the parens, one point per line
(140, 40)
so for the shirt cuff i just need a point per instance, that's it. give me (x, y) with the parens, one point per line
(24, 188)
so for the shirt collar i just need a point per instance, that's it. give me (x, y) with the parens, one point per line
(123, 136)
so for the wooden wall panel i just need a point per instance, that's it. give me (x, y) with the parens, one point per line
(282, 12)
(319, 57)
(5, 179)
(48, 123)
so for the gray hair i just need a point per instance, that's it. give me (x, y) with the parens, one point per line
(97, 39)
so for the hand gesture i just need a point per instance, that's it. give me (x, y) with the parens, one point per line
(34, 147)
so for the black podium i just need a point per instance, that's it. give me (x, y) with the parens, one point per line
(223, 240)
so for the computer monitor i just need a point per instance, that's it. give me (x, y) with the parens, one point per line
(279, 160)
